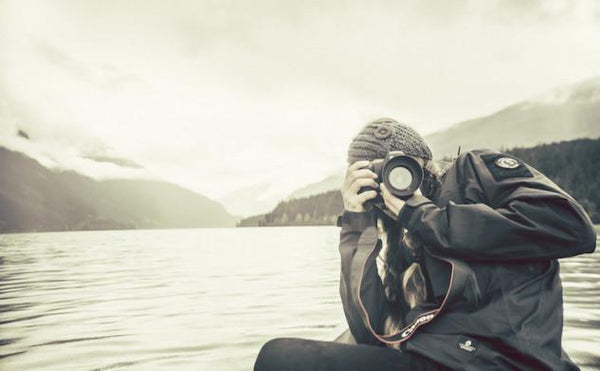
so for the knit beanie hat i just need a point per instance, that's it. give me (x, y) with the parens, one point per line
(382, 136)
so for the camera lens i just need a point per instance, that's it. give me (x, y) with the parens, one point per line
(400, 178)
(401, 174)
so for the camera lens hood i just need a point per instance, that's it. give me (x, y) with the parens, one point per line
(401, 174)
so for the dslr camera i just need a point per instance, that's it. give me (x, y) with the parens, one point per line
(401, 174)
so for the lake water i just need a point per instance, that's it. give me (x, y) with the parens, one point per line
(203, 299)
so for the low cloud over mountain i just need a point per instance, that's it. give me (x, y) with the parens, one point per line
(565, 113)
(34, 198)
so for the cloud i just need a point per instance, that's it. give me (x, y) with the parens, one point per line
(110, 78)
(57, 57)
(226, 94)
(543, 10)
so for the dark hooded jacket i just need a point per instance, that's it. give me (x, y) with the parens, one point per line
(492, 241)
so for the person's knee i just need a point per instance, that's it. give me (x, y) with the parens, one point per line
(273, 346)
(272, 354)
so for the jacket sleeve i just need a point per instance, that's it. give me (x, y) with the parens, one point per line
(358, 251)
(504, 216)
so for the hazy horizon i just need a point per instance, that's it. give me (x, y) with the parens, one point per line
(219, 96)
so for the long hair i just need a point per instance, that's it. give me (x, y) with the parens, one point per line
(403, 281)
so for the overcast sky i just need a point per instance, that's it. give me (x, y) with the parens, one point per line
(219, 95)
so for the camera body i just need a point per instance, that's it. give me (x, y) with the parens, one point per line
(401, 174)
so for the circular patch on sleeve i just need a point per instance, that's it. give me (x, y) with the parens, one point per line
(507, 163)
(504, 166)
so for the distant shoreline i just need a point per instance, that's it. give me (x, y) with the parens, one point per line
(596, 226)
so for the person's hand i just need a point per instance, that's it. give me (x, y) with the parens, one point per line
(393, 203)
(356, 178)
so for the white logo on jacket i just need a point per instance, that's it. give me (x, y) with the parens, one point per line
(467, 346)
(507, 163)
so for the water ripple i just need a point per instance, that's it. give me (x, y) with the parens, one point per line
(65, 341)
(201, 299)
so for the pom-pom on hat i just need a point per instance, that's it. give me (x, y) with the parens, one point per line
(382, 136)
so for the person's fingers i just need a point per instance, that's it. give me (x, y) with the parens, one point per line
(385, 192)
(358, 176)
(389, 199)
(362, 173)
(393, 203)
(357, 165)
(365, 196)
(358, 173)
(353, 167)
(362, 182)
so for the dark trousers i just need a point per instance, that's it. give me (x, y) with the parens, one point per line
(300, 354)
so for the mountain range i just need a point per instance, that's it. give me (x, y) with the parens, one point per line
(35, 198)
(333, 181)
(565, 113)
(555, 160)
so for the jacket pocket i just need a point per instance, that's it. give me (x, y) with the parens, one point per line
(534, 302)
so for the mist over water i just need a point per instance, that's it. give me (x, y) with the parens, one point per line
(203, 299)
